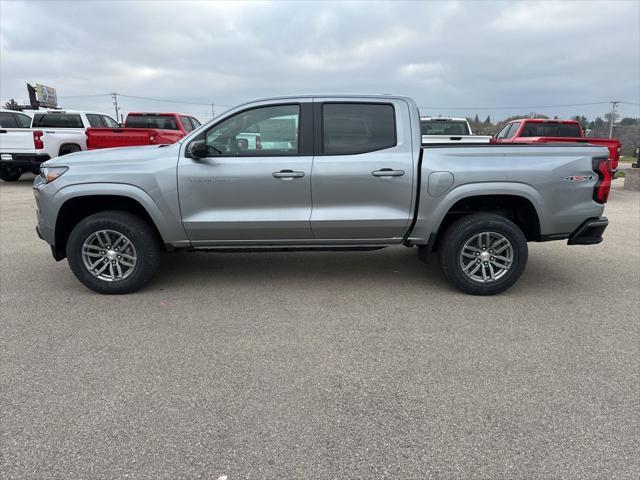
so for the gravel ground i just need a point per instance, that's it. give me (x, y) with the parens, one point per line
(321, 365)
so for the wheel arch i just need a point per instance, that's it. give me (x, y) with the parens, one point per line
(520, 203)
(516, 208)
(65, 145)
(75, 207)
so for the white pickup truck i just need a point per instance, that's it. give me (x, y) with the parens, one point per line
(52, 133)
(448, 130)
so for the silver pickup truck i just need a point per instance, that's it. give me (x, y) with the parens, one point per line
(327, 172)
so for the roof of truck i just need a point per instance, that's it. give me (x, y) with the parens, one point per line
(443, 119)
(334, 95)
(543, 120)
(162, 114)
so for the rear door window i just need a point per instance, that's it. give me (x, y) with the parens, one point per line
(109, 122)
(57, 120)
(195, 122)
(351, 128)
(94, 120)
(24, 121)
(7, 120)
(186, 123)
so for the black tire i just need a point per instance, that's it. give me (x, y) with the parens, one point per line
(137, 230)
(10, 174)
(67, 149)
(467, 228)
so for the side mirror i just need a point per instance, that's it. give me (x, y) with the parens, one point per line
(198, 149)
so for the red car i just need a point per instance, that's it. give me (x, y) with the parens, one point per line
(143, 129)
(542, 130)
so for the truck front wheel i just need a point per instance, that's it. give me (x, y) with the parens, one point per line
(113, 252)
(483, 254)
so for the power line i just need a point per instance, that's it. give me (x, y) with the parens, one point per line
(86, 96)
(519, 107)
(185, 102)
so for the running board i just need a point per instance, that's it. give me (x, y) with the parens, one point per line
(287, 249)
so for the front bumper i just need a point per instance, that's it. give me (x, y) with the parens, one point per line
(590, 232)
(28, 161)
(44, 211)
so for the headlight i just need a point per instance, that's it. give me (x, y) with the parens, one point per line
(49, 174)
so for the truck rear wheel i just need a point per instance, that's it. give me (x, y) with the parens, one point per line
(10, 174)
(483, 254)
(113, 252)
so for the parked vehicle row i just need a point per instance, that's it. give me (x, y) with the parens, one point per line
(142, 129)
(29, 138)
(329, 172)
(50, 134)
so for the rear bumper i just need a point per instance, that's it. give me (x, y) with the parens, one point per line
(29, 161)
(590, 232)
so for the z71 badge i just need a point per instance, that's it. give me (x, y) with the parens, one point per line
(578, 178)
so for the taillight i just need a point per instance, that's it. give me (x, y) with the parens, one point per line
(602, 166)
(258, 143)
(37, 140)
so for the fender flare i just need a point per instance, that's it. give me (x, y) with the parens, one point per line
(430, 220)
(69, 192)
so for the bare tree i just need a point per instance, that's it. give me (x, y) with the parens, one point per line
(12, 105)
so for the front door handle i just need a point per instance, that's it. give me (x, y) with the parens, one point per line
(387, 172)
(287, 174)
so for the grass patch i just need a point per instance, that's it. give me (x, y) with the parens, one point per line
(628, 159)
(619, 175)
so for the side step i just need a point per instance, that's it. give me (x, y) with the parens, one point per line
(287, 249)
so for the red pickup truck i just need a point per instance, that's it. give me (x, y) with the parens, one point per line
(542, 130)
(143, 129)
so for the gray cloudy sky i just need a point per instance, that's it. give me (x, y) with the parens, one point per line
(444, 54)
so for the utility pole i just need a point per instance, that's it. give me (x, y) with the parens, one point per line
(614, 105)
(115, 104)
(213, 110)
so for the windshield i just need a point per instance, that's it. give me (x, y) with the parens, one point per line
(444, 127)
(163, 122)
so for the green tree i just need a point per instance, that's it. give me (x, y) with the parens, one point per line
(584, 123)
(629, 121)
(487, 120)
(476, 119)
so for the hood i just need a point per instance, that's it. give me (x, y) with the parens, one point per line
(115, 155)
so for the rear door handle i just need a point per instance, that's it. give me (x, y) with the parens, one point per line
(3, 131)
(287, 174)
(387, 172)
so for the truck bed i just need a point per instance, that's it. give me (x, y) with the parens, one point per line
(611, 143)
(129, 137)
(456, 139)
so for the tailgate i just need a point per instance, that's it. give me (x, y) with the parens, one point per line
(119, 137)
(17, 140)
(611, 143)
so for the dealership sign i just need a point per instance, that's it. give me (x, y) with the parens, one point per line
(46, 96)
(42, 96)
